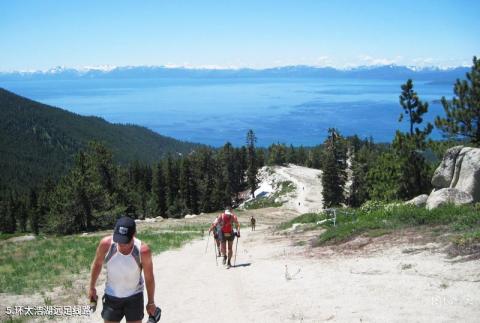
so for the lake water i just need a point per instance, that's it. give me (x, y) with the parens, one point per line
(213, 111)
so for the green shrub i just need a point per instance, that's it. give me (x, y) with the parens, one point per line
(375, 218)
(52, 261)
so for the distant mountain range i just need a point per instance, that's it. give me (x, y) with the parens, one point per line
(366, 72)
(39, 141)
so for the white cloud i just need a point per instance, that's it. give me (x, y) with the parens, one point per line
(370, 60)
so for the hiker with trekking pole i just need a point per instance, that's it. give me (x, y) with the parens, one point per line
(216, 243)
(227, 234)
(217, 236)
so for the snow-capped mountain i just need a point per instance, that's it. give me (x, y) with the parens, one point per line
(298, 71)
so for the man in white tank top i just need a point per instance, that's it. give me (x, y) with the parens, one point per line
(124, 258)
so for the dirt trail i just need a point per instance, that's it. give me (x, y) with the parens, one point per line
(308, 188)
(277, 280)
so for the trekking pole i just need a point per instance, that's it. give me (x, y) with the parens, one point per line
(235, 259)
(215, 246)
(208, 238)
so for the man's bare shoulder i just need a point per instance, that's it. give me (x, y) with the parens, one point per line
(105, 242)
(145, 249)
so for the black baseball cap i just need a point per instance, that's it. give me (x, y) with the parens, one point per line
(124, 230)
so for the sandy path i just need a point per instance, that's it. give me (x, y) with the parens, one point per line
(309, 188)
(277, 282)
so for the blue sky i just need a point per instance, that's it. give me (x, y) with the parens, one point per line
(258, 34)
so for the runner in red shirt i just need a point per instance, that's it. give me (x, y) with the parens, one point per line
(226, 221)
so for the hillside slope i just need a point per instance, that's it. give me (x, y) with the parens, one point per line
(39, 141)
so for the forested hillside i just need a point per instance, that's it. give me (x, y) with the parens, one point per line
(38, 141)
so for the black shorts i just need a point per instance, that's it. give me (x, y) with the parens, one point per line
(114, 308)
(228, 238)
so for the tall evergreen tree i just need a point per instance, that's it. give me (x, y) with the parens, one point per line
(33, 211)
(291, 155)
(334, 175)
(207, 174)
(11, 214)
(81, 199)
(384, 176)
(362, 156)
(158, 190)
(228, 169)
(252, 162)
(22, 214)
(314, 159)
(277, 154)
(463, 111)
(302, 156)
(240, 169)
(221, 196)
(171, 181)
(260, 157)
(414, 108)
(3, 213)
(414, 170)
(188, 187)
(44, 202)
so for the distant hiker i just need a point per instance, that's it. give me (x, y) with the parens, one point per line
(226, 220)
(252, 223)
(124, 258)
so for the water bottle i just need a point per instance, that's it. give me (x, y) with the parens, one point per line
(156, 316)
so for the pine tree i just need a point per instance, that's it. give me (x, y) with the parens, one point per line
(228, 169)
(252, 162)
(207, 174)
(414, 170)
(302, 156)
(240, 169)
(3, 214)
(363, 156)
(158, 190)
(81, 201)
(291, 155)
(171, 181)
(33, 211)
(11, 214)
(188, 187)
(100, 161)
(277, 155)
(414, 108)
(8, 221)
(383, 177)
(22, 214)
(334, 176)
(260, 157)
(314, 159)
(463, 111)
(44, 202)
(220, 194)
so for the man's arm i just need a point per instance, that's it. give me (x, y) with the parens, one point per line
(97, 263)
(147, 266)
(235, 219)
(214, 224)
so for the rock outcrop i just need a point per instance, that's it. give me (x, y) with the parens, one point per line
(456, 180)
(448, 195)
(419, 201)
(444, 173)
